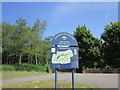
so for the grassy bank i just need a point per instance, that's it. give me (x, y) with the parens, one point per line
(46, 84)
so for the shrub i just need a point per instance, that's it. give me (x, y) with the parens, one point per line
(8, 67)
(24, 67)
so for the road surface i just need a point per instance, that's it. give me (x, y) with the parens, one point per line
(100, 80)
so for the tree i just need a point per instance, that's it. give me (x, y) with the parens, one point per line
(111, 45)
(38, 29)
(20, 39)
(7, 33)
(89, 47)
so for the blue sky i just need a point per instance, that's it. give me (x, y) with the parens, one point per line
(63, 16)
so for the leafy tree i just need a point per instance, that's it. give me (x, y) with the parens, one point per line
(38, 28)
(111, 45)
(19, 37)
(89, 48)
(7, 33)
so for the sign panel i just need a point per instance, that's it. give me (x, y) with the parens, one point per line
(64, 52)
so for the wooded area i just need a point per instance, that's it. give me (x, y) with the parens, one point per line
(103, 52)
(25, 44)
(22, 43)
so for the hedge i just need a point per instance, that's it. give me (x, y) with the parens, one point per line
(24, 67)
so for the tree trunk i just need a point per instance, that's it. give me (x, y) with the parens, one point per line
(36, 60)
(28, 58)
(39, 62)
(46, 61)
(20, 59)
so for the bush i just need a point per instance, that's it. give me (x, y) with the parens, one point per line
(24, 67)
(8, 67)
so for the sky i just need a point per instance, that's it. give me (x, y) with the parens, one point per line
(63, 16)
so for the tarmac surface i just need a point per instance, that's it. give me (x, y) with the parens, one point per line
(99, 80)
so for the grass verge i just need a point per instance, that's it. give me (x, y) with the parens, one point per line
(15, 74)
(46, 84)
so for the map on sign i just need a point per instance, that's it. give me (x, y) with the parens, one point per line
(62, 57)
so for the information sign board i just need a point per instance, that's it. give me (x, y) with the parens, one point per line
(64, 52)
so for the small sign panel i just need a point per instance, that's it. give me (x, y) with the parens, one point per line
(64, 52)
(52, 50)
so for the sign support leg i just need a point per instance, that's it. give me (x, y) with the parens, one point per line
(56, 79)
(73, 79)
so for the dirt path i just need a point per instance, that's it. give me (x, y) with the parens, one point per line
(100, 80)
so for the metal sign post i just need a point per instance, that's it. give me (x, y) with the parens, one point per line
(73, 86)
(56, 79)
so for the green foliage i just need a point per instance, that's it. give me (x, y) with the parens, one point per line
(24, 44)
(25, 67)
(111, 45)
(8, 67)
(89, 47)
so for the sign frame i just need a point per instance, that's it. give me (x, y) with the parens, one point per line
(64, 52)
